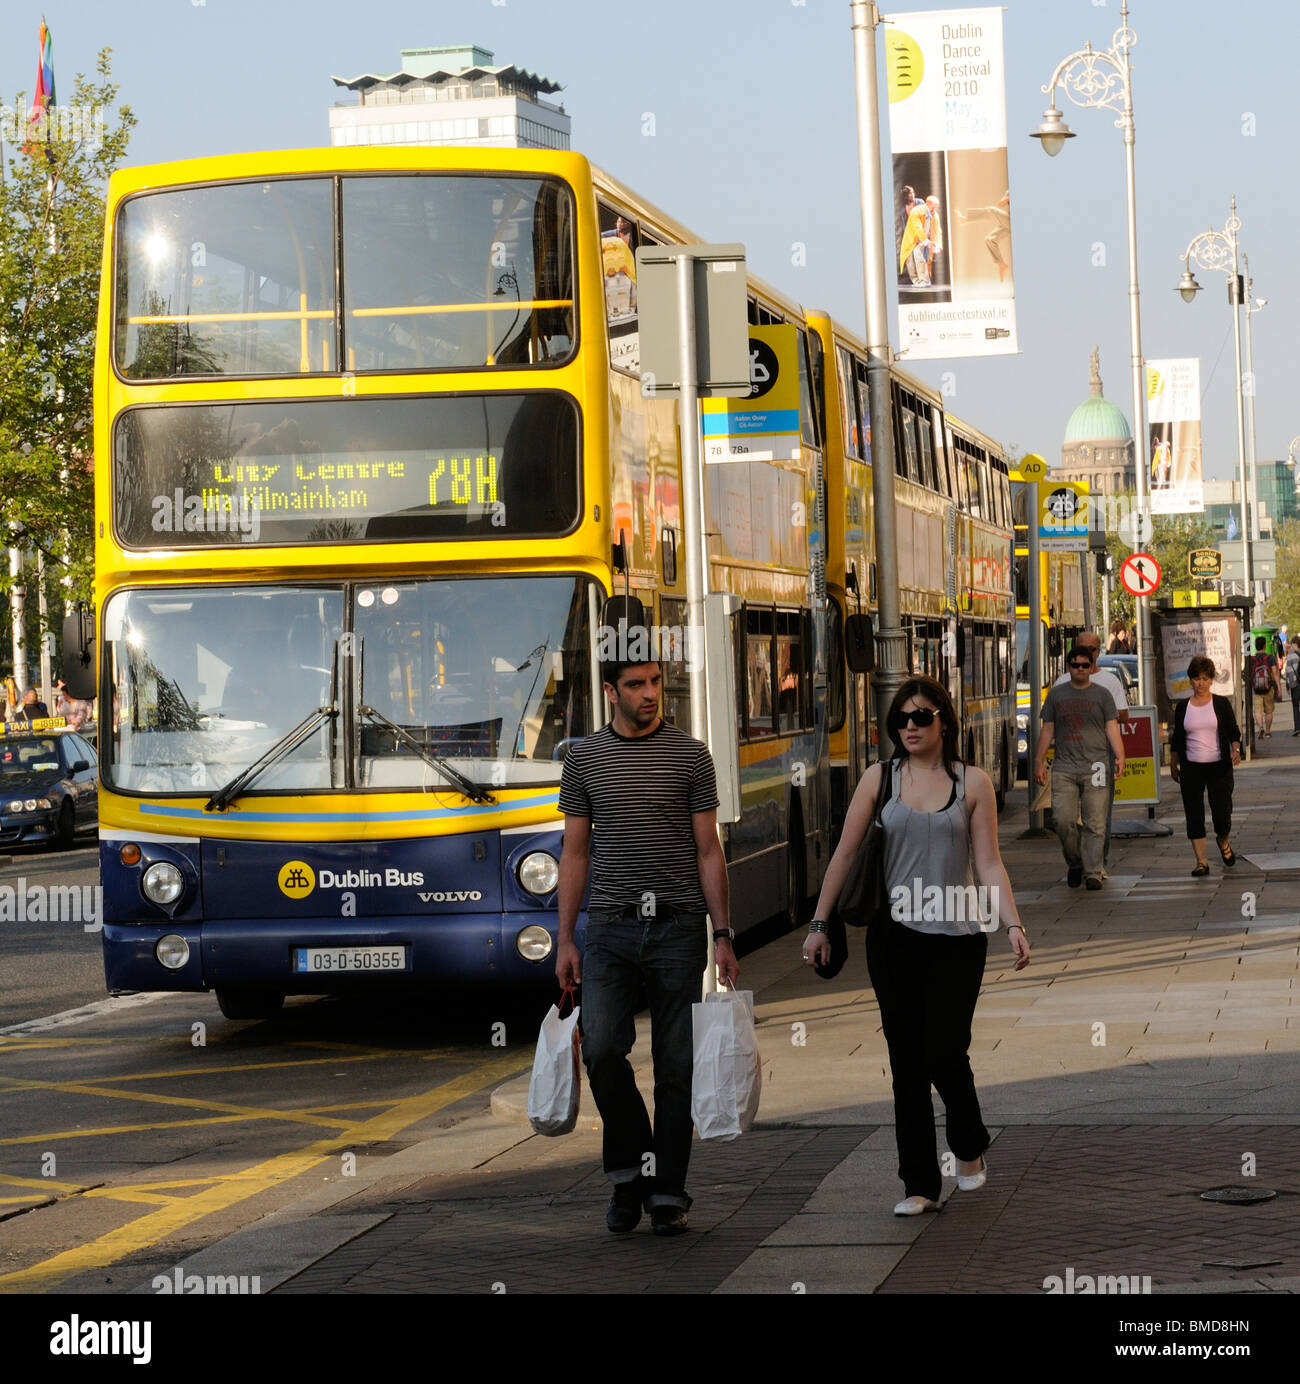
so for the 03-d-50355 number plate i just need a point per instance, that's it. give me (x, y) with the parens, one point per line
(348, 960)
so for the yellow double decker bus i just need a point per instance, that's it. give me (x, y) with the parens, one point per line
(372, 452)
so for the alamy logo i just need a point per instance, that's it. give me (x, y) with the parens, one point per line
(52, 903)
(77, 1337)
(950, 903)
(178, 1281)
(208, 513)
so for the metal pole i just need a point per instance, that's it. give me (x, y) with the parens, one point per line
(693, 527)
(47, 635)
(1257, 608)
(890, 638)
(1248, 564)
(18, 615)
(1035, 645)
(1146, 649)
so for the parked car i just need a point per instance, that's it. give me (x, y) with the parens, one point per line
(1125, 667)
(48, 788)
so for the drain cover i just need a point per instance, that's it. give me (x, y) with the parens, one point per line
(1239, 1196)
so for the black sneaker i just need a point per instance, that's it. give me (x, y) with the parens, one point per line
(1074, 878)
(624, 1212)
(668, 1220)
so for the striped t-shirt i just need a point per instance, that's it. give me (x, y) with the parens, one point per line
(640, 794)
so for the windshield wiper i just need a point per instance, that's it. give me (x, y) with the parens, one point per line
(286, 744)
(473, 791)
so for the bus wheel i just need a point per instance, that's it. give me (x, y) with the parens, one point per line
(796, 875)
(250, 1004)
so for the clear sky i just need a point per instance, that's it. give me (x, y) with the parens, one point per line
(755, 140)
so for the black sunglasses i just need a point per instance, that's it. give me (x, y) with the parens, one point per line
(922, 717)
(1077, 664)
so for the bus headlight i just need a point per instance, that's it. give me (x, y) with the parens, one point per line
(172, 951)
(534, 943)
(539, 872)
(163, 883)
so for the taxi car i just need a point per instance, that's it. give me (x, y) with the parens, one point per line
(48, 784)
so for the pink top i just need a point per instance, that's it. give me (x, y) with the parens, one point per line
(1202, 727)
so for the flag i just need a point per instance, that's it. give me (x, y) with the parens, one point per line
(1232, 526)
(37, 121)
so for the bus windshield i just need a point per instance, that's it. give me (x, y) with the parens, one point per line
(438, 271)
(491, 674)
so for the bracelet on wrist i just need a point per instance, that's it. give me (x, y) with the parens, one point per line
(1021, 926)
(817, 925)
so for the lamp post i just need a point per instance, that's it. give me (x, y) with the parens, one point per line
(1253, 307)
(1213, 250)
(1104, 80)
(891, 639)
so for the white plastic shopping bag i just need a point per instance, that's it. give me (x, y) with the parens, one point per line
(728, 1076)
(556, 1084)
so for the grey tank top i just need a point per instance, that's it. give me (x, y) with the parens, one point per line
(928, 876)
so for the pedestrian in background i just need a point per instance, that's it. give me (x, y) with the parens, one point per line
(1080, 719)
(1118, 641)
(927, 970)
(1103, 677)
(1266, 686)
(1204, 745)
(1291, 677)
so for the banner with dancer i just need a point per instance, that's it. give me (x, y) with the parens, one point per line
(952, 198)
(1174, 423)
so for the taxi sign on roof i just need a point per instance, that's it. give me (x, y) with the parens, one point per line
(41, 723)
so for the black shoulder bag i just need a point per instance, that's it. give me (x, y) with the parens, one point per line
(863, 896)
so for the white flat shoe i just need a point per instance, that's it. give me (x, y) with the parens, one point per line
(914, 1206)
(972, 1182)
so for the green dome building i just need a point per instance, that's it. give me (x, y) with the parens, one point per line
(1098, 444)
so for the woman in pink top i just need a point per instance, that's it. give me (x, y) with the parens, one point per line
(1204, 745)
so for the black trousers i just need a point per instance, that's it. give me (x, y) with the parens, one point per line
(927, 985)
(1195, 779)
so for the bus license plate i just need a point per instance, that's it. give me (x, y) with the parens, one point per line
(348, 960)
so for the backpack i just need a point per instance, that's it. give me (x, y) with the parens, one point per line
(1292, 670)
(1261, 678)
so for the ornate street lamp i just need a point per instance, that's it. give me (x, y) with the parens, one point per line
(1218, 250)
(1104, 80)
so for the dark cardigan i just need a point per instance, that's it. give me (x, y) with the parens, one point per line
(1229, 732)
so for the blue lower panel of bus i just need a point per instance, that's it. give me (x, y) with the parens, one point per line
(261, 914)
(269, 953)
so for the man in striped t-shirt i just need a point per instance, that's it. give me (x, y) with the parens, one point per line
(640, 813)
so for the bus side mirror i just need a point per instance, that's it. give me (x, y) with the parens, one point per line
(79, 652)
(860, 644)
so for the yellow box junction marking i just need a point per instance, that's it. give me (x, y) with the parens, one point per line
(229, 1191)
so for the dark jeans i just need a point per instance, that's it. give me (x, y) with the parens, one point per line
(1194, 779)
(666, 955)
(926, 986)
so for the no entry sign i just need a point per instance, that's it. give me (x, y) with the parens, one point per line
(1140, 574)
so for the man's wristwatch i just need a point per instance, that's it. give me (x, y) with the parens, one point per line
(721, 933)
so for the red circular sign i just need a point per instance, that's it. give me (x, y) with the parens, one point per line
(1140, 574)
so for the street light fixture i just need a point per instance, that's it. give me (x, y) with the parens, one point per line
(1104, 80)
(1053, 132)
(1213, 250)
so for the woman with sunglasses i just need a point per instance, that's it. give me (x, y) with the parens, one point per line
(926, 957)
(1203, 746)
